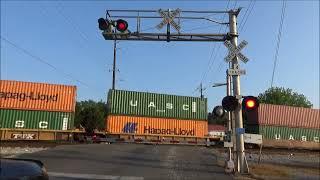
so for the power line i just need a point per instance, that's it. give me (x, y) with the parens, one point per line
(245, 13)
(283, 10)
(211, 61)
(82, 35)
(245, 20)
(235, 4)
(42, 61)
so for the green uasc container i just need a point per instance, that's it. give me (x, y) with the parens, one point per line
(41, 120)
(144, 104)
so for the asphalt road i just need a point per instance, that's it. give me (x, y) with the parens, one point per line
(130, 161)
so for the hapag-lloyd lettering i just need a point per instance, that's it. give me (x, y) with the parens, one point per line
(31, 96)
(175, 131)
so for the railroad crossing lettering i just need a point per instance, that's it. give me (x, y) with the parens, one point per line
(168, 18)
(235, 72)
(235, 51)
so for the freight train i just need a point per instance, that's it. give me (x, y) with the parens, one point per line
(40, 111)
(36, 111)
(161, 118)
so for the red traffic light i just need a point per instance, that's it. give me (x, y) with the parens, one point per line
(230, 103)
(121, 25)
(250, 103)
(103, 24)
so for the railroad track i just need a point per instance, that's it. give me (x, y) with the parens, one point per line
(35, 144)
(220, 148)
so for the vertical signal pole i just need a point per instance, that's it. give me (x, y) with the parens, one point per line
(229, 113)
(236, 92)
(114, 65)
(168, 28)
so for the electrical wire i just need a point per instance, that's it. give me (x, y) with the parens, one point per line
(211, 61)
(235, 4)
(37, 58)
(245, 14)
(283, 11)
(245, 20)
(82, 35)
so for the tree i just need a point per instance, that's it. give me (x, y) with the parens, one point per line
(282, 96)
(91, 115)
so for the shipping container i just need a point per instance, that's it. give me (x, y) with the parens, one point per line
(144, 104)
(39, 120)
(155, 126)
(285, 133)
(37, 96)
(269, 114)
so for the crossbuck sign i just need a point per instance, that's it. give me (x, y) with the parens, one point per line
(235, 51)
(168, 18)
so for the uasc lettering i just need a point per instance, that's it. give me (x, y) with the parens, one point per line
(168, 105)
(302, 138)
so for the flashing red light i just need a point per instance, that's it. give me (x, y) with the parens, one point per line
(250, 103)
(121, 25)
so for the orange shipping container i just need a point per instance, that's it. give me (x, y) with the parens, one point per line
(37, 96)
(156, 126)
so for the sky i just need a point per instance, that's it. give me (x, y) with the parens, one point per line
(62, 44)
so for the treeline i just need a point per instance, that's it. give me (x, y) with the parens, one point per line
(91, 115)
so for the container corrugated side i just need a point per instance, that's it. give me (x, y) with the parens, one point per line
(285, 133)
(41, 120)
(37, 96)
(269, 114)
(155, 126)
(156, 105)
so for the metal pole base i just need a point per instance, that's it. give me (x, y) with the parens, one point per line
(229, 168)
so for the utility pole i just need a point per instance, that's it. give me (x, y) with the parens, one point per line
(236, 92)
(114, 65)
(201, 91)
(229, 113)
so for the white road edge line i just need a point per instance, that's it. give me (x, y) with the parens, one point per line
(93, 176)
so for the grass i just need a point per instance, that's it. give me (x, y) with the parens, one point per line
(269, 170)
(280, 171)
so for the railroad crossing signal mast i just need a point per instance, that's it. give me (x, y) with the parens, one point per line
(115, 27)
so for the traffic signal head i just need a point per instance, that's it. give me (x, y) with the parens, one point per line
(121, 25)
(103, 24)
(218, 111)
(250, 103)
(230, 103)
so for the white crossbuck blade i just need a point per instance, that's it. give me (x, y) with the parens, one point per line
(235, 51)
(169, 19)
